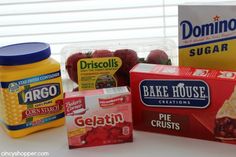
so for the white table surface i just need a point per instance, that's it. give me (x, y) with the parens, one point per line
(145, 144)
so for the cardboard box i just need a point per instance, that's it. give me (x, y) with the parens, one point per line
(183, 101)
(98, 117)
(207, 36)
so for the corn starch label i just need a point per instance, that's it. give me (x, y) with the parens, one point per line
(207, 37)
(96, 73)
(32, 101)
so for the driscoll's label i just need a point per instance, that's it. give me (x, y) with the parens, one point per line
(175, 93)
(97, 64)
(96, 73)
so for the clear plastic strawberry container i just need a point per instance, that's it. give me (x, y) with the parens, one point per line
(121, 49)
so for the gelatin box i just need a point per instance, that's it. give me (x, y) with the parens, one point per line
(207, 36)
(98, 117)
(183, 101)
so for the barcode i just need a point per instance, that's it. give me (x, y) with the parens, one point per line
(116, 90)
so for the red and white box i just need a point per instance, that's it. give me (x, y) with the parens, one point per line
(98, 117)
(184, 101)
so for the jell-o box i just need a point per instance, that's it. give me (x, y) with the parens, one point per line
(184, 101)
(98, 117)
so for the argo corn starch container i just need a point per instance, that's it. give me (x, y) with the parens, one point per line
(30, 89)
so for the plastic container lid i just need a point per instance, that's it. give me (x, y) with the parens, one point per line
(24, 53)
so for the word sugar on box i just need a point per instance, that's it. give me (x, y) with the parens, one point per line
(98, 117)
(183, 101)
(207, 36)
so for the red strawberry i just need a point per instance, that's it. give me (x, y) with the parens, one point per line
(102, 53)
(71, 65)
(129, 60)
(158, 57)
(121, 79)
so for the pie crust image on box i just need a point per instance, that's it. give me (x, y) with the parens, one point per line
(225, 125)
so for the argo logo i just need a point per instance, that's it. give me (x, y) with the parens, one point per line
(175, 93)
(39, 93)
(218, 26)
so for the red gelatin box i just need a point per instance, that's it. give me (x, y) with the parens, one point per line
(98, 117)
(183, 101)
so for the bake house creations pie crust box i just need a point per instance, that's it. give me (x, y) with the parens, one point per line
(184, 101)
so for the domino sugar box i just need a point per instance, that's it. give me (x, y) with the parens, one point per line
(207, 35)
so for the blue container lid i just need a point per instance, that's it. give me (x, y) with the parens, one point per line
(24, 53)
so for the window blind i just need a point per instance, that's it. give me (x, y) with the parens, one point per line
(62, 22)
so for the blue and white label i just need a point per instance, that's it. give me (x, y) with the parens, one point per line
(206, 24)
(188, 29)
(175, 93)
(39, 93)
